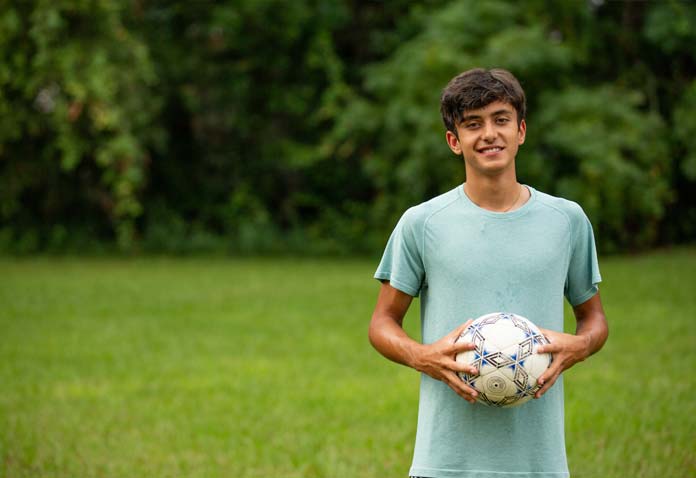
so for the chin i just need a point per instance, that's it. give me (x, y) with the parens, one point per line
(491, 168)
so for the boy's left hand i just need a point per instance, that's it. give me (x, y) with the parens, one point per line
(567, 350)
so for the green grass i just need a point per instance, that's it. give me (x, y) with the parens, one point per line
(262, 368)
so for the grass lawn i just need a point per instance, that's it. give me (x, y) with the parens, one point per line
(262, 368)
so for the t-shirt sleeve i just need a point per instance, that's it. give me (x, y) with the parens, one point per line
(583, 268)
(402, 261)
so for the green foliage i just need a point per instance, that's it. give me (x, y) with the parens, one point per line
(684, 122)
(607, 155)
(271, 126)
(76, 102)
(594, 145)
(254, 97)
(407, 159)
(672, 25)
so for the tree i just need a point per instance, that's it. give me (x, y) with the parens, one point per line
(77, 98)
(589, 140)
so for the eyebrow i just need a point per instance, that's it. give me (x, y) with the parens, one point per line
(495, 113)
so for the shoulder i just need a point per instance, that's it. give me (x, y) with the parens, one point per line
(566, 208)
(417, 216)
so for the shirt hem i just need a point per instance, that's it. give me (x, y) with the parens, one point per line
(397, 284)
(582, 298)
(446, 473)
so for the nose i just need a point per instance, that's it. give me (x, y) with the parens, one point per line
(489, 131)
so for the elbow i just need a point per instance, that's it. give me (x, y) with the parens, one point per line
(372, 332)
(602, 334)
(605, 334)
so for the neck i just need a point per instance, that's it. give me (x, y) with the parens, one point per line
(495, 194)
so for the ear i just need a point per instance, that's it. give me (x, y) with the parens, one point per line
(521, 132)
(453, 143)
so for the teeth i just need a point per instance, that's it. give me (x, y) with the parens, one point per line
(491, 150)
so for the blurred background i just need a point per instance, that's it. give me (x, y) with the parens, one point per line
(135, 133)
(308, 126)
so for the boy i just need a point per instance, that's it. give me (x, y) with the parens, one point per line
(488, 245)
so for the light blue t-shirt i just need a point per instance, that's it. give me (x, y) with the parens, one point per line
(465, 261)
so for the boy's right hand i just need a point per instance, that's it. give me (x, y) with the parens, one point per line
(438, 360)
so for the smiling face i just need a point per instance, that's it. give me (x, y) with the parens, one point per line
(488, 138)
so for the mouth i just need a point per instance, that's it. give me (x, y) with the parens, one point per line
(490, 149)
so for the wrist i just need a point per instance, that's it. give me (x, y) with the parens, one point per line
(415, 354)
(586, 345)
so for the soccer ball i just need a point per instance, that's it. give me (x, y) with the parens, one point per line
(505, 358)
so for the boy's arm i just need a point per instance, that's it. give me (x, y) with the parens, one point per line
(590, 334)
(437, 359)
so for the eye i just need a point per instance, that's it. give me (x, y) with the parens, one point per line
(502, 120)
(472, 125)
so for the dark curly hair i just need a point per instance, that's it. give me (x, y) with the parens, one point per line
(474, 89)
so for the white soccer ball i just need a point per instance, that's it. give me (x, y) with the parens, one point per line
(506, 358)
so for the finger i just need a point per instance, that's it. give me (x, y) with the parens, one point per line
(456, 333)
(466, 397)
(550, 348)
(463, 390)
(461, 346)
(469, 398)
(554, 369)
(549, 377)
(547, 384)
(549, 335)
(463, 368)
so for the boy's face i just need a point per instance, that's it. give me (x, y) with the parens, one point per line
(489, 138)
